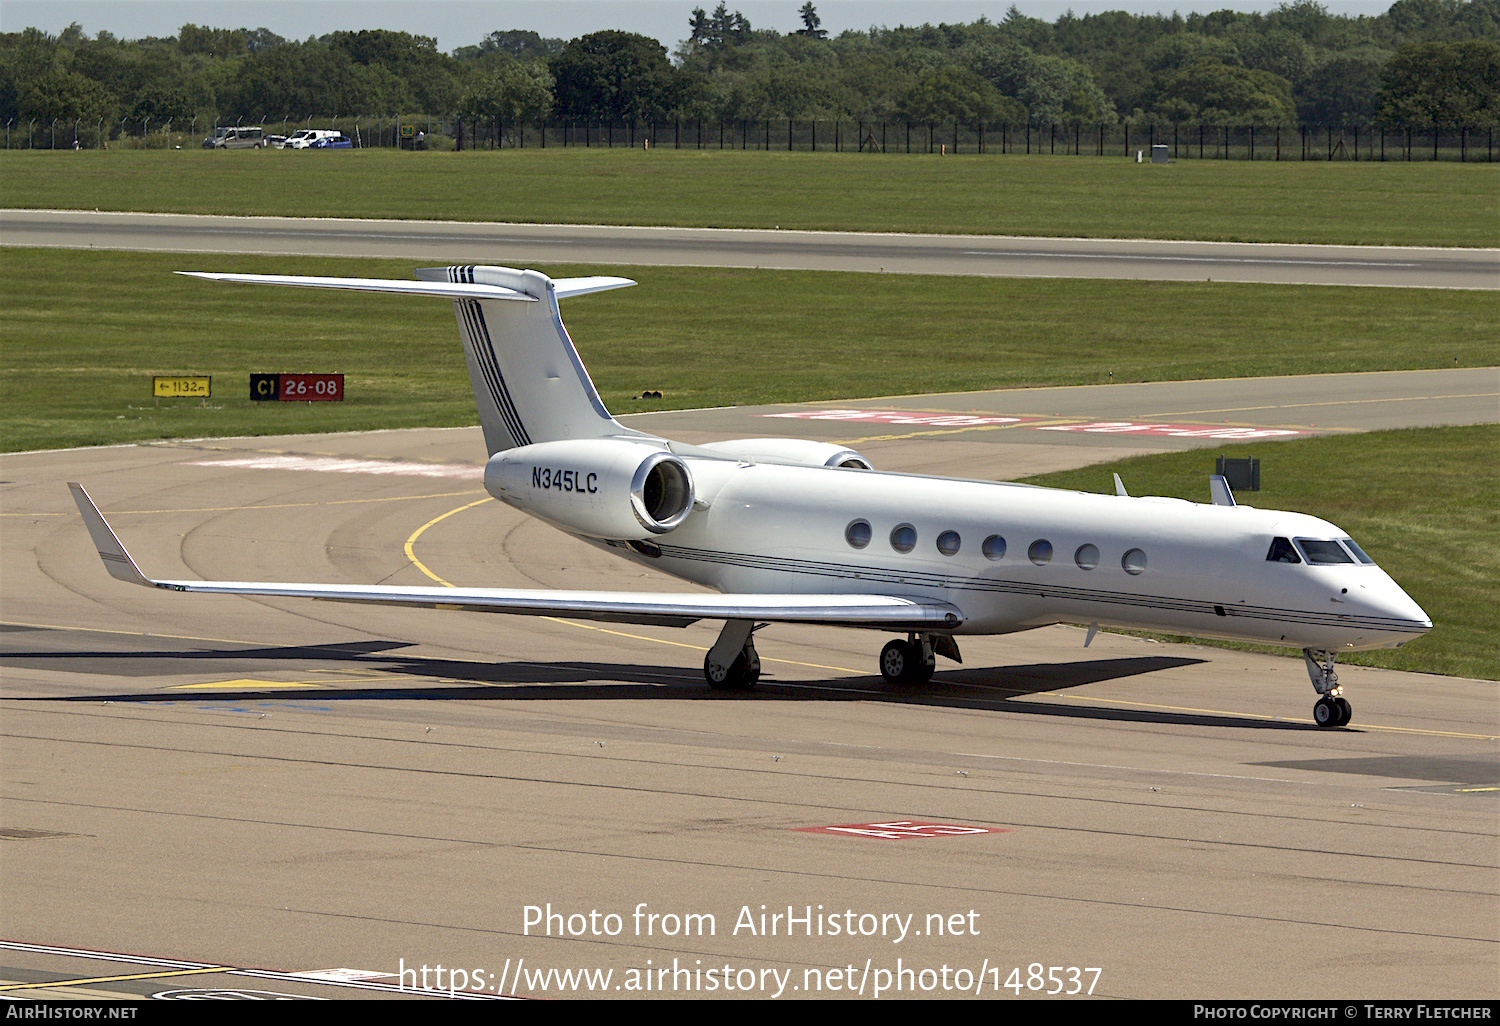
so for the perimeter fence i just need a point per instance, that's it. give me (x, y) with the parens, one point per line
(1123, 139)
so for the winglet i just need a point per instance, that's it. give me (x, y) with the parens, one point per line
(116, 560)
(1120, 487)
(1218, 490)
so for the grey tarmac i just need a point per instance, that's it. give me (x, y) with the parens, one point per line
(225, 785)
(458, 242)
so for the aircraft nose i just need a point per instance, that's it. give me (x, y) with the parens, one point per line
(1392, 602)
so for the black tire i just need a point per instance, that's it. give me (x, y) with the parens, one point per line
(1346, 711)
(1326, 713)
(738, 676)
(896, 659)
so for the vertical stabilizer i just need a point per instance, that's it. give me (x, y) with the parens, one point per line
(529, 383)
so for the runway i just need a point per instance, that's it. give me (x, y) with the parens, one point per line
(450, 242)
(218, 794)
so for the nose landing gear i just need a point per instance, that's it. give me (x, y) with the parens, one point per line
(1332, 709)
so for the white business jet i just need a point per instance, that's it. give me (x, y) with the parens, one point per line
(792, 531)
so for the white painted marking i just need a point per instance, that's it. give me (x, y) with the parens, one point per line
(335, 465)
(1128, 427)
(897, 417)
(344, 975)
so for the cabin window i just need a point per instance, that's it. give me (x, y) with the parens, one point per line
(858, 533)
(1087, 557)
(1359, 553)
(1134, 562)
(994, 547)
(1323, 553)
(1282, 552)
(948, 543)
(1040, 552)
(904, 538)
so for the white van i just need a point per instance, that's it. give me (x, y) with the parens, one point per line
(306, 137)
(236, 139)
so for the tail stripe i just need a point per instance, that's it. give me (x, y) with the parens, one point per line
(484, 352)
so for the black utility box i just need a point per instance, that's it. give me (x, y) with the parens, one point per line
(1243, 475)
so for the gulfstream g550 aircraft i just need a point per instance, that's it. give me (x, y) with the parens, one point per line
(792, 531)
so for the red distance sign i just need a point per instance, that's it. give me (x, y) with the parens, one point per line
(311, 388)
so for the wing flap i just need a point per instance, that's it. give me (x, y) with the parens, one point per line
(893, 612)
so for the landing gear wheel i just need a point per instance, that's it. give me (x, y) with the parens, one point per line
(1345, 711)
(923, 671)
(741, 675)
(1326, 712)
(906, 662)
(898, 661)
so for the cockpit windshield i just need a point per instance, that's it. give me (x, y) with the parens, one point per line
(1282, 552)
(1359, 553)
(1323, 553)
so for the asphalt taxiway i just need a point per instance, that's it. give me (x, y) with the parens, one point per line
(460, 242)
(215, 794)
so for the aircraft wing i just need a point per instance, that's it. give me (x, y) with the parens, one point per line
(892, 612)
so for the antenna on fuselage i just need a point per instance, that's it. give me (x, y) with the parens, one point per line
(1218, 491)
(1120, 487)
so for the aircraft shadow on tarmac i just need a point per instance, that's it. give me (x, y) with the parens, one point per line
(997, 688)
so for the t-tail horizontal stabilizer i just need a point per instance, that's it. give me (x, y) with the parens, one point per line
(529, 384)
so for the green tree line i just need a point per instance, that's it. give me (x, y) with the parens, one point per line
(1423, 63)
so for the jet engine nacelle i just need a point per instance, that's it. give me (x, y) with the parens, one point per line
(797, 452)
(600, 487)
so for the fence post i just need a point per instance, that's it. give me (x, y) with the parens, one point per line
(1127, 138)
(1435, 136)
(1101, 138)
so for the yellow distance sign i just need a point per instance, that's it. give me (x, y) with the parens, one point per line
(181, 387)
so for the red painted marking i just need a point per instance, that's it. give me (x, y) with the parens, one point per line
(959, 420)
(901, 830)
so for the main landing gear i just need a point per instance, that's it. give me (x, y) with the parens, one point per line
(913, 661)
(732, 665)
(1332, 708)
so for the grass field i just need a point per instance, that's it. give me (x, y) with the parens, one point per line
(1425, 204)
(1424, 503)
(82, 332)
